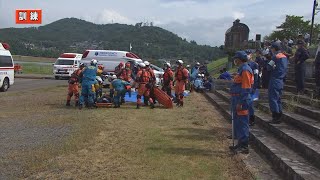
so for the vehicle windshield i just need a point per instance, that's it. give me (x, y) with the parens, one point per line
(64, 62)
(6, 61)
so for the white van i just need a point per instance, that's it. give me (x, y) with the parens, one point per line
(111, 58)
(6, 67)
(66, 64)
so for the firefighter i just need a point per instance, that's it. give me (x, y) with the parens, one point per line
(241, 100)
(126, 75)
(300, 57)
(181, 77)
(88, 81)
(117, 69)
(167, 79)
(73, 88)
(143, 79)
(278, 69)
(118, 89)
(152, 82)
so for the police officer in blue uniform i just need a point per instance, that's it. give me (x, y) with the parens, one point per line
(240, 101)
(278, 67)
(300, 57)
(88, 74)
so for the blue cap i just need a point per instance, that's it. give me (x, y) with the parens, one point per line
(242, 55)
(276, 46)
(248, 51)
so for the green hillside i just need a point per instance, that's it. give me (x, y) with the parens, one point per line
(75, 35)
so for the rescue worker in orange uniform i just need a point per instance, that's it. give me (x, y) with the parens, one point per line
(73, 88)
(143, 79)
(118, 69)
(167, 79)
(181, 78)
(126, 75)
(152, 82)
(241, 101)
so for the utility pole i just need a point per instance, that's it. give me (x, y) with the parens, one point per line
(315, 4)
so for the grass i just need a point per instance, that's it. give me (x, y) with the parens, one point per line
(33, 68)
(33, 59)
(125, 143)
(217, 64)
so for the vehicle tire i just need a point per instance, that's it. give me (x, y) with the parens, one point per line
(5, 85)
(57, 77)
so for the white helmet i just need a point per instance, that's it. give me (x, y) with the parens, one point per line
(94, 61)
(147, 63)
(114, 76)
(143, 65)
(179, 62)
(188, 66)
(198, 64)
(265, 52)
(167, 64)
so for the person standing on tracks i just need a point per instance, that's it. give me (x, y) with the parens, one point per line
(278, 68)
(88, 81)
(143, 79)
(73, 87)
(167, 79)
(300, 57)
(181, 77)
(241, 101)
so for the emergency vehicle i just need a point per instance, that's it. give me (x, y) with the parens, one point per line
(66, 64)
(6, 67)
(109, 59)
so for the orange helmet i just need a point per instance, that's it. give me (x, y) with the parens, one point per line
(128, 65)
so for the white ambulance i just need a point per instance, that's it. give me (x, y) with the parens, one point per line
(109, 59)
(6, 67)
(66, 64)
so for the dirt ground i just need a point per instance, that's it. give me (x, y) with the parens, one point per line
(42, 139)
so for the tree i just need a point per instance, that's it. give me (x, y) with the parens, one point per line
(292, 27)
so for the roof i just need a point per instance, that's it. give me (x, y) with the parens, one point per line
(236, 26)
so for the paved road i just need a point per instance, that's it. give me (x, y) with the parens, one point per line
(31, 84)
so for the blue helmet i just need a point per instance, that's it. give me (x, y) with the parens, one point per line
(276, 46)
(242, 55)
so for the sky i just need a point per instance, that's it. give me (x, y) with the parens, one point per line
(204, 21)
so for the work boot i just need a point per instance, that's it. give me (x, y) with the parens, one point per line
(152, 106)
(181, 104)
(68, 103)
(251, 120)
(232, 148)
(80, 106)
(138, 106)
(242, 150)
(276, 118)
(77, 103)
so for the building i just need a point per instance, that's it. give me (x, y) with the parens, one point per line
(236, 37)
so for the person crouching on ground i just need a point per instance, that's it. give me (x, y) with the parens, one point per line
(278, 69)
(73, 87)
(143, 79)
(241, 100)
(167, 79)
(117, 89)
(181, 77)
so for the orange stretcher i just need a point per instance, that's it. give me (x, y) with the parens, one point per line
(104, 105)
(163, 98)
